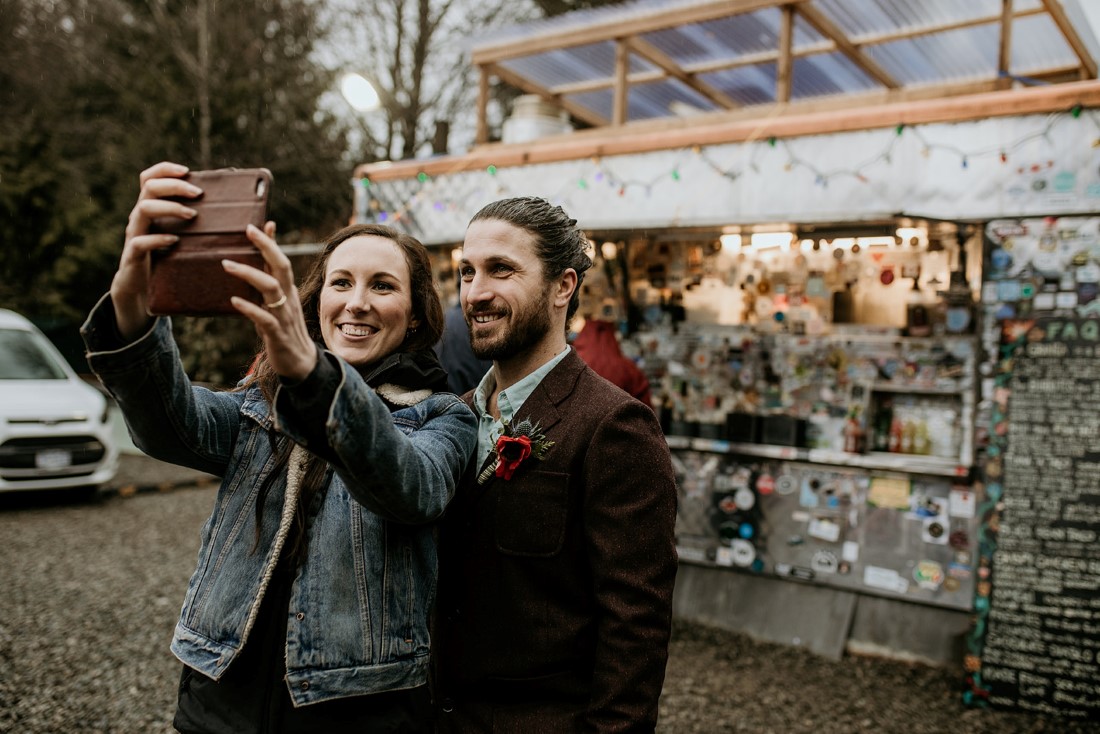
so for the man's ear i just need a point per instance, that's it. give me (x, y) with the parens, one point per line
(567, 283)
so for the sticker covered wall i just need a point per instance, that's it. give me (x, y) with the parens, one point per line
(871, 531)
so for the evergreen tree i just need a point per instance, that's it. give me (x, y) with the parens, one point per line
(94, 91)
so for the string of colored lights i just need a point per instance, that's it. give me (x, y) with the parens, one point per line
(604, 174)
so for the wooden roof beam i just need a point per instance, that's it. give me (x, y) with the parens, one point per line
(929, 30)
(827, 28)
(482, 134)
(656, 56)
(1055, 74)
(784, 66)
(870, 98)
(1059, 17)
(574, 109)
(1004, 52)
(612, 28)
(595, 85)
(621, 98)
(740, 125)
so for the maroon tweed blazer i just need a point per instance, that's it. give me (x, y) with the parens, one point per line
(555, 600)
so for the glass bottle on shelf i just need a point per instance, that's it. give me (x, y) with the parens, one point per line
(884, 417)
(908, 432)
(922, 439)
(853, 433)
(958, 301)
(918, 321)
(844, 305)
(896, 429)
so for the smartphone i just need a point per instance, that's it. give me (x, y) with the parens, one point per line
(187, 278)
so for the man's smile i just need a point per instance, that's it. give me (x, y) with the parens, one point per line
(487, 317)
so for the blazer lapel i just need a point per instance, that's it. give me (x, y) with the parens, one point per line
(541, 406)
(468, 398)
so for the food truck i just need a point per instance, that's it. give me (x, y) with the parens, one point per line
(822, 232)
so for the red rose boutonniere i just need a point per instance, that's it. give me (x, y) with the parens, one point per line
(515, 445)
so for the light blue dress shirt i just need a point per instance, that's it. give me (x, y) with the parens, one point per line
(509, 402)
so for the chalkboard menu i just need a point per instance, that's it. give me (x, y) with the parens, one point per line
(1038, 599)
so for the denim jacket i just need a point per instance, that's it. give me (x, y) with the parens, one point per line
(360, 600)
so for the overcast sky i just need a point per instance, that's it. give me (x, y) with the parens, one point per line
(1091, 9)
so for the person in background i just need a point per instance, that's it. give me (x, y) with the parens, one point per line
(309, 608)
(464, 368)
(557, 556)
(598, 346)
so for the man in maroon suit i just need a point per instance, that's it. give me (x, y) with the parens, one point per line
(557, 556)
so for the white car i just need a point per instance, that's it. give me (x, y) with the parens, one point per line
(54, 430)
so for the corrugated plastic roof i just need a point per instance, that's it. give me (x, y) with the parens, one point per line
(731, 52)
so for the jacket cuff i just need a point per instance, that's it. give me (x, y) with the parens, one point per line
(106, 349)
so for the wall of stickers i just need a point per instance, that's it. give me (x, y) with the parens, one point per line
(792, 492)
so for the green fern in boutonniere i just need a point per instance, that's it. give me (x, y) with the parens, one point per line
(514, 446)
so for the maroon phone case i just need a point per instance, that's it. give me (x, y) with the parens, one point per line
(188, 278)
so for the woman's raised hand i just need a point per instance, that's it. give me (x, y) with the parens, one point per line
(279, 322)
(128, 288)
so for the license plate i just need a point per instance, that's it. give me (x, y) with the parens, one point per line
(53, 459)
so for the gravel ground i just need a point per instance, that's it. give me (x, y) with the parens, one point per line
(91, 591)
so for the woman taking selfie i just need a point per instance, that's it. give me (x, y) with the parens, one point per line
(308, 610)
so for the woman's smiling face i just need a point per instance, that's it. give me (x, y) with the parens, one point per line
(365, 305)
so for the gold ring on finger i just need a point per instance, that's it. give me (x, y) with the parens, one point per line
(277, 304)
